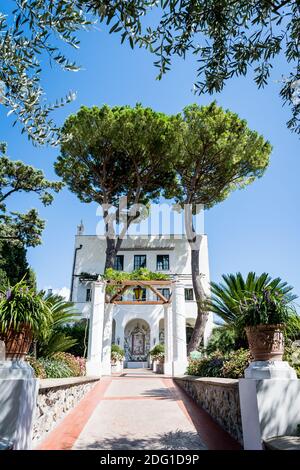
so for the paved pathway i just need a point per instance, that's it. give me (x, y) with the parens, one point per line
(138, 410)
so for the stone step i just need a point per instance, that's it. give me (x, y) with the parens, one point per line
(136, 365)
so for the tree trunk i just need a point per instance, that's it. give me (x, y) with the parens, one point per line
(200, 297)
(110, 253)
(202, 313)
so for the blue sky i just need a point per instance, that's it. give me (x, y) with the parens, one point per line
(255, 229)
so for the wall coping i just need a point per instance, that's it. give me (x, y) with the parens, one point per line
(52, 384)
(217, 381)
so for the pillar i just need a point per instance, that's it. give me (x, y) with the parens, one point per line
(107, 338)
(18, 398)
(168, 321)
(179, 330)
(94, 361)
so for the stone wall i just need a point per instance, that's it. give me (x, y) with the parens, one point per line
(220, 398)
(56, 397)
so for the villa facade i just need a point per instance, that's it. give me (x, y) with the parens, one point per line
(138, 328)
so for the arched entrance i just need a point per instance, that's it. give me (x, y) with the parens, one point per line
(136, 340)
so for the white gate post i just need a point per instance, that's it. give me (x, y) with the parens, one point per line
(179, 330)
(107, 338)
(94, 362)
(168, 324)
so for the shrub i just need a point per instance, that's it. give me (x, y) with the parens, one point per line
(195, 355)
(209, 366)
(70, 361)
(222, 339)
(158, 352)
(82, 364)
(236, 363)
(79, 333)
(117, 353)
(39, 369)
(292, 355)
(55, 369)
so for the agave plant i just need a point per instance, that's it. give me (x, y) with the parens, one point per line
(259, 299)
(56, 340)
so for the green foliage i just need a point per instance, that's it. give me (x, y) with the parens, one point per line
(14, 265)
(157, 353)
(55, 369)
(241, 302)
(235, 364)
(217, 154)
(228, 39)
(39, 369)
(292, 326)
(15, 176)
(292, 355)
(36, 29)
(195, 355)
(59, 366)
(209, 366)
(222, 339)
(112, 153)
(78, 331)
(56, 340)
(142, 274)
(19, 305)
(117, 353)
(70, 361)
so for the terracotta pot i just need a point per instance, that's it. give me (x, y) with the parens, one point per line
(17, 343)
(266, 342)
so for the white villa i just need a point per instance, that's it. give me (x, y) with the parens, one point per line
(140, 326)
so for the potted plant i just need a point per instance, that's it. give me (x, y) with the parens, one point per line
(24, 316)
(157, 355)
(117, 358)
(264, 315)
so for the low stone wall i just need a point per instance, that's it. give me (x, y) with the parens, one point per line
(56, 397)
(219, 397)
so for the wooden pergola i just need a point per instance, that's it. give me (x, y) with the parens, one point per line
(123, 286)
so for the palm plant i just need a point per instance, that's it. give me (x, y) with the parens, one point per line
(235, 296)
(21, 305)
(56, 340)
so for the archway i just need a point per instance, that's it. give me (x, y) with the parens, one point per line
(137, 340)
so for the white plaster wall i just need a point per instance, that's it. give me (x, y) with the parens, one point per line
(91, 258)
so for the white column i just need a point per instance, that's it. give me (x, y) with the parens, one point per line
(179, 329)
(93, 365)
(107, 337)
(168, 366)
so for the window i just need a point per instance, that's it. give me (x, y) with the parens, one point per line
(119, 263)
(88, 295)
(188, 294)
(162, 263)
(139, 261)
(165, 292)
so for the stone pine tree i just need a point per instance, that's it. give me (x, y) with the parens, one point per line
(112, 153)
(219, 154)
